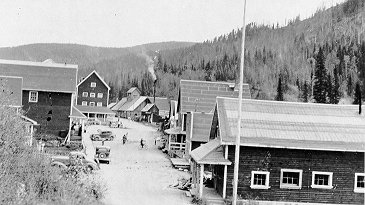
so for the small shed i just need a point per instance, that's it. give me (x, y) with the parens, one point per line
(150, 113)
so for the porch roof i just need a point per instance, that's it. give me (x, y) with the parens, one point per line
(175, 131)
(210, 153)
(75, 113)
(94, 109)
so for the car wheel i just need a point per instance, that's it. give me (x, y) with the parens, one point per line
(102, 155)
(89, 169)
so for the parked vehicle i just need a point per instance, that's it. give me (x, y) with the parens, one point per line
(65, 161)
(103, 135)
(103, 154)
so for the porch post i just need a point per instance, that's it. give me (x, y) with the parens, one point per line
(31, 134)
(201, 181)
(225, 173)
(169, 146)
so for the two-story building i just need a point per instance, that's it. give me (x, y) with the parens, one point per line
(196, 96)
(48, 92)
(93, 97)
(290, 153)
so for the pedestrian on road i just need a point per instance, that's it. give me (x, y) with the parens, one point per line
(102, 142)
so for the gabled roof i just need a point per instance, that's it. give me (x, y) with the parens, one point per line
(76, 113)
(202, 123)
(111, 105)
(199, 96)
(94, 109)
(161, 103)
(29, 120)
(148, 107)
(210, 153)
(119, 104)
(133, 104)
(133, 89)
(290, 125)
(12, 90)
(94, 72)
(39, 76)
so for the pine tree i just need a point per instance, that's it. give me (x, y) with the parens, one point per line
(279, 95)
(357, 94)
(329, 88)
(319, 88)
(350, 88)
(305, 94)
(336, 88)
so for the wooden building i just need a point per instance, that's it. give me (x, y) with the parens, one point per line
(93, 91)
(290, 153)
(150, 113)
(198, 96)
(48, 92)
(162, 104)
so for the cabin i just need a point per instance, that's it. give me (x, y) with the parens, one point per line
(48, 92)
(197, 96)
(290, 153)
(162, 104)
(150, 113)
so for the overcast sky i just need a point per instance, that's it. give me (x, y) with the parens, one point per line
(121, 23)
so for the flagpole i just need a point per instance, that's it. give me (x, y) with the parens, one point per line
(237, 153)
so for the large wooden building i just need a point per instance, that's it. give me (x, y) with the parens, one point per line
(48, 91)
(290, 152)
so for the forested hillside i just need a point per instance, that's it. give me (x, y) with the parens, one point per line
(288, 52)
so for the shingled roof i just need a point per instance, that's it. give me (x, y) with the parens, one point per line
(161, 103)
(202, 123)
(210, 153)
(200, 96)
(42, 76)
(12, 88)
(292, 125)
(133, 104)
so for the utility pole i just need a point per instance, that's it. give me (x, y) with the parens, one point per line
(238, 140)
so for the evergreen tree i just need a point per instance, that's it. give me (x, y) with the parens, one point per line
(319, 88)
(350, 88)
(305, 95)
(357, 94)
(329, 89)
(279, 95)
(336, 88)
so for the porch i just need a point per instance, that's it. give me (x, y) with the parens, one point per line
(176, 142)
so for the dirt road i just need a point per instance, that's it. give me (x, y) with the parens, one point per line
(137, 176)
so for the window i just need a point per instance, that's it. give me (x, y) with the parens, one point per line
(100, 95)
(291, 179)
(33, 96)
(184, 121)
(92, 95)
(99, 104)
(84, 94)
(322, 180)
(359, 182)
(84, 103)
(260, 180)
(92, 103)
(93, 85)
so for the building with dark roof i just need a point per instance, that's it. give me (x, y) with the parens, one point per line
(290, 152)
(48, 91)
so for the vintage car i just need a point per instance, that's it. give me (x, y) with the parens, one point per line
(103, 154)
(65, 161)
(93, 121)
(103, 135)
(116, 125)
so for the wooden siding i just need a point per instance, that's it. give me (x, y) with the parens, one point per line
(58, 103)
(344, 165)
(100, 88)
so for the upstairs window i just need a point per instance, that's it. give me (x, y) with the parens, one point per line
(93, 85)
(84, 94)
(291, 179)
(33, 96)
(260, 180)
(92, 95)
(184, 122)
(84, 103)
(359, 183)
(99, 104)
(322, 180)
(100, 95)
(92, 103)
